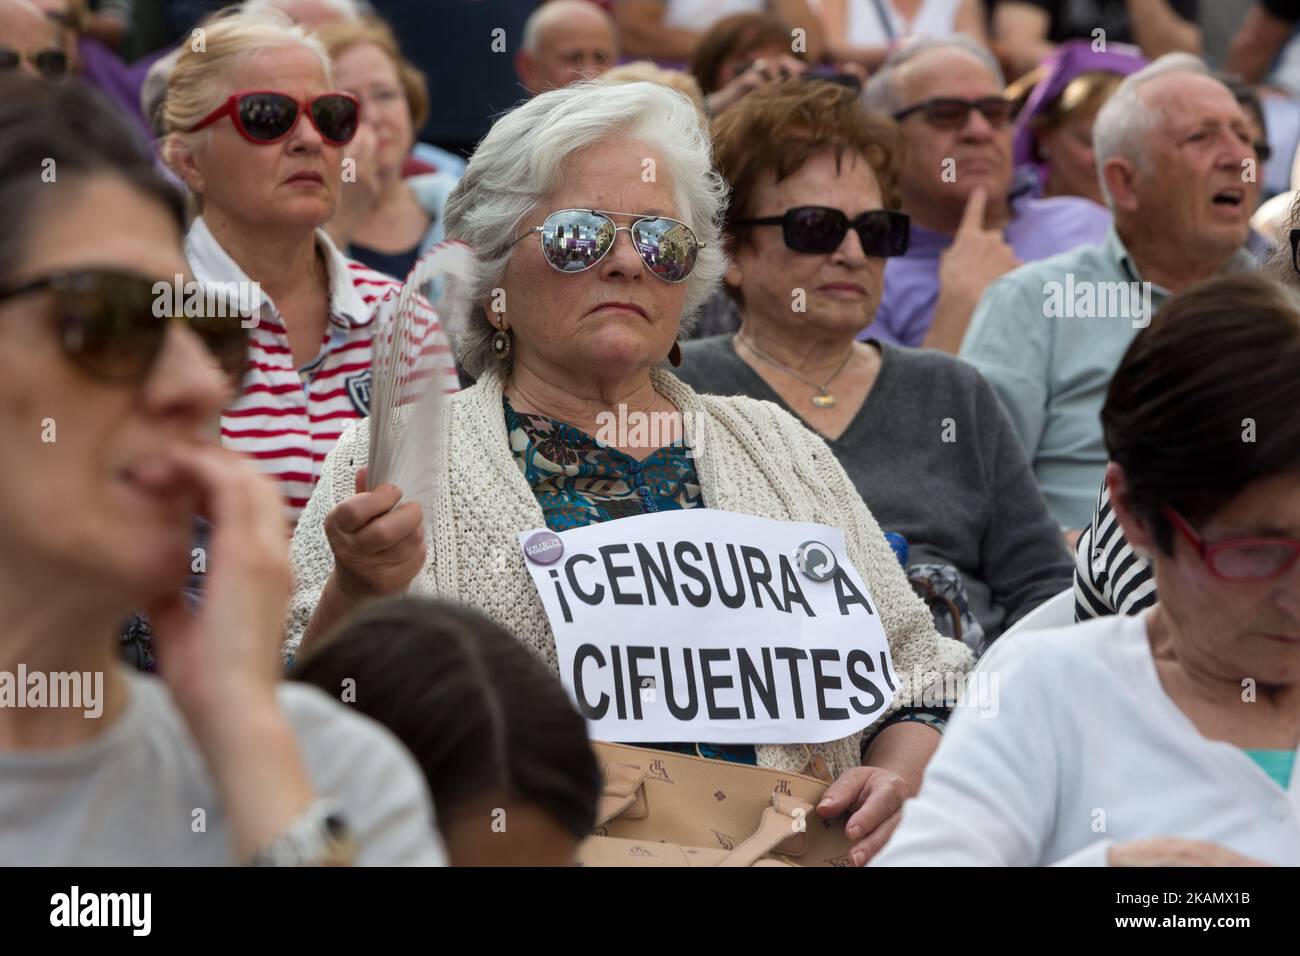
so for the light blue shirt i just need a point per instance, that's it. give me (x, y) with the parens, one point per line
(1048, 337)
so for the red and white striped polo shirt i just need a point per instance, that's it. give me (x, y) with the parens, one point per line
(287, 419)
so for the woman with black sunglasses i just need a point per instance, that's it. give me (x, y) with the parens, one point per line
(108, 399)
(812, 219)
(595, 211)
(256, 130)
(1169, 737)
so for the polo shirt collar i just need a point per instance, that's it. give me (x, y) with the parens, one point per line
(211, 263)
(1118, 255)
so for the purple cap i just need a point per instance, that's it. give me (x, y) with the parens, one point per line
(1060, 68)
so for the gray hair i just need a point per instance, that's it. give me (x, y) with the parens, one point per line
(547, 14)
(519, 164)
(1125, 121)
(882, 93)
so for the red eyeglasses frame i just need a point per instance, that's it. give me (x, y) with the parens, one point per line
(231, 108)
(1207, 551)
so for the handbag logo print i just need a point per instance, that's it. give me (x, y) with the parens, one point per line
(658, 771)
(719, 796)
(724, 841)
(782, 786)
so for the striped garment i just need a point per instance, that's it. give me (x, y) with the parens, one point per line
(287, 419)
(1109, 576)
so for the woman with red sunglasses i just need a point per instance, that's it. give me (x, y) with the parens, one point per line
(257, 131)
(1168, 737)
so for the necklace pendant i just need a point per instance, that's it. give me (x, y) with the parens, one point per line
(824, 400)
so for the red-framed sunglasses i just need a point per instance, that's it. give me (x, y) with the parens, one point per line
(267, 116)
(1240, 559)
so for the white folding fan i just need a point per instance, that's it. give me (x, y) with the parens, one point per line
(408, 371)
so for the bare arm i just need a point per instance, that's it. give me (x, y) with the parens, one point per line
(1159, 30)
(1021, 29)
(1257, 44)
(642, 32)
(970, 20)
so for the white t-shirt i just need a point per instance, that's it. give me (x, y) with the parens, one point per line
(702, 14)
(935, 18)
(128, 797)
(1083, 750)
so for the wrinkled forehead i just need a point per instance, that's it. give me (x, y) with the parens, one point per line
(948, 71)
(291, 69)
(1184, 100)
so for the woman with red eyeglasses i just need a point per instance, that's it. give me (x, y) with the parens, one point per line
(256, 130)
(108, 399)
(1167, 737)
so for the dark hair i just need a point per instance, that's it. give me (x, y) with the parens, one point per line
(736, 35)
(482, 716)
(72, 131)
(1246, 96)
(1218, 359)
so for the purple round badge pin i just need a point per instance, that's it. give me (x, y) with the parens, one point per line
(544, 547)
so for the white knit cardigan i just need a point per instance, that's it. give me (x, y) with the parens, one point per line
(752, 457)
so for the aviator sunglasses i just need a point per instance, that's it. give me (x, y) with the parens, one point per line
(821, 229)
(108, 324)
(574, 240)
(266, 116)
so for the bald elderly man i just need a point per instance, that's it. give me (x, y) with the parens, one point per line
(565, 41)
(969, 223)
(29, 41)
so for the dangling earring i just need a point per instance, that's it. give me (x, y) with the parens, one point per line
(500, 343)
(675, 355)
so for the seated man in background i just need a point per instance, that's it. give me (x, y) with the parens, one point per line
(968, 225)
(1173, 147)
(565, 41)
(29, 42)
(670, 29)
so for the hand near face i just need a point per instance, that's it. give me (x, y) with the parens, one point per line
(874, 797)
(977, 255)
(378, 547)
(762, 72)
(1175, 851)
(224, 660)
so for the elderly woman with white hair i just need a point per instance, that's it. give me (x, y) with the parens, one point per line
(574, 324)
(255, 128)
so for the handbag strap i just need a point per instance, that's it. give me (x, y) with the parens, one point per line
(624, 785)
(785, 818)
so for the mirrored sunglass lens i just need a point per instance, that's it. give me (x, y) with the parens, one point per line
(575, 240)
(1252, 561)
(267, 116)
(666, 246)
(816, 230)
(336, 118)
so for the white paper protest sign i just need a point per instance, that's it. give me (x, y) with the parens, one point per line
(712, 626)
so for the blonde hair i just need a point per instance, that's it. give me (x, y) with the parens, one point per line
(200, 80)
(645, 71)
(340, 37)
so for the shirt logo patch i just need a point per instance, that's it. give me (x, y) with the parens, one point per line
(359, 391)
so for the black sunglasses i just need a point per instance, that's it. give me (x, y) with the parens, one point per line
(110, 324)
(947, 112)
(574, 240)
(49, 63)
(819, 230)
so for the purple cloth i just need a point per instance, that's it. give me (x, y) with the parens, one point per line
(121, 82)
(1038, 228)
(1060, 68)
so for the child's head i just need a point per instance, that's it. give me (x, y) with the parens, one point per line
(513, 776)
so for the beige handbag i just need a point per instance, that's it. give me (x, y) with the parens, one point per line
(661, 808)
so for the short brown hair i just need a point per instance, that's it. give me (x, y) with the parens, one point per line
(736, 35)
(779, 128)
(1218, 359)
(339, 37)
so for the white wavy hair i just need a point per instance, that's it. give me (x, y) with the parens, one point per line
(519, 164)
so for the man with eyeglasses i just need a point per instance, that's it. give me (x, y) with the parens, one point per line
(969, 225)
(29, 41)
(1177, 164)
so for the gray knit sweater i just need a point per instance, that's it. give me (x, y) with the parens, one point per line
(970, 502)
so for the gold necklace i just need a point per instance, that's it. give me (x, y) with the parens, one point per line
(823, 398)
